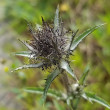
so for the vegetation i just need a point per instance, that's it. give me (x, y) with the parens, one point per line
(94, 50)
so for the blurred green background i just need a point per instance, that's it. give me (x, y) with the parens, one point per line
(95, 49)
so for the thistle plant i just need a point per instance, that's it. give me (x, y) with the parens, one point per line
(51, 47)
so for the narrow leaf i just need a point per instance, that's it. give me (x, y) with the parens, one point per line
(29, 66)
(78, 39)
(56, 19)
(49, 80)
(50, 92)
(72, 39)
(65, 66)
(25, 54)
(32, 31)
(28, 46)
(84, 75)
(92, 97)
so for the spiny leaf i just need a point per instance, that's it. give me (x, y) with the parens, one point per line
(72, 39)
(28, 46)
(56, 19)
(32, 31)
(25, 54)
(29, 66)
(92, 97)
(50, 92)
(49, 80)
(78, 39)
(84, 75)
(65, 66)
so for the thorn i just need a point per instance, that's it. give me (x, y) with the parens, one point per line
(74, 34)
(32, 31)
(20, 40)
(43, 20)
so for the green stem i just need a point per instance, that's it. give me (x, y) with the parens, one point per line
(72, 105)
(76, 102)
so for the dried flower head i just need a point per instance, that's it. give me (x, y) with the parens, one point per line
(48, 47)
(49, 44)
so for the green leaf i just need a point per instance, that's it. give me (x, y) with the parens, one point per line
(49, 80)
(58, 105)
(84, 75)
(78, 39)
(72, 39)
(92, 97)
(25, 54)
(64, 65)
(29, 66)
(50, 92)
(76, 102)
(56, 19)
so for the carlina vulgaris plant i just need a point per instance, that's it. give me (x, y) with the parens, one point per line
(51, 46)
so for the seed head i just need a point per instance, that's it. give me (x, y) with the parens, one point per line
(50, 42)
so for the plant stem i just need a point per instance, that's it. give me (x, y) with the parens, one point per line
(68, 89)
(66, 82)
(72, 106)
(76, 102)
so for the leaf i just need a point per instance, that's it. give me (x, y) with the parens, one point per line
(32, 31)
(29, 66)
(49, 80)
(72, 39)
(92, 97)
(65, 66)
(56, 19)
(28, 46)
(78, 39)
(58, 106)
(25, 54)
(50, 92)
(76, 102)
(84, 75)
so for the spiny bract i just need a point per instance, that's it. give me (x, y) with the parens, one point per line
(50, 43)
